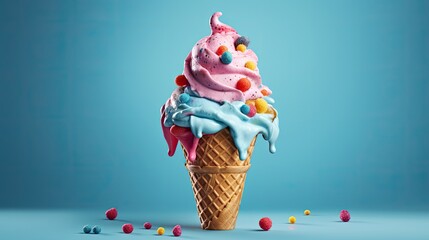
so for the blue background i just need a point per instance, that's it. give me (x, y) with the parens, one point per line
(81, 84)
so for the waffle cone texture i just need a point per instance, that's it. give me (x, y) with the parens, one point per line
(218, 177)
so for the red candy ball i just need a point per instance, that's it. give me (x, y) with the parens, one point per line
(252, 111)
(127, 228)
(177, 231)
(243, 84)
(111, 214)
(147, 225)
(265, 223)
(181, 81)
(344, 216)
(221, 50)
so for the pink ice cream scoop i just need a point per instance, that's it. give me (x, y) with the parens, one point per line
(215, 76)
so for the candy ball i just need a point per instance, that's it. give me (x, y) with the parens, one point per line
(292, 219)
(252, 111)
(147, 225)
(111, 213)
(250, 65)
(181, 81)
(261, 105)
(177, 231)
(221, 50)
(184, 98)
(265, 92)
(265, 223)
(160, 230)
(241, 47)
(86, 229)
(344, 216)
(243, 84)
(226, 58)
(250, 102)
(127, 228)
(307, 212)
(242, 40)
(96, 229)
(245, 109)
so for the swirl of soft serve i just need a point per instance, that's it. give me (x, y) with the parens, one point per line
(215, 80)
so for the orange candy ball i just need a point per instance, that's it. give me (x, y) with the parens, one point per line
(265, 92)
(250, 102)
(181, 81)
(243, 84)
(221, 50)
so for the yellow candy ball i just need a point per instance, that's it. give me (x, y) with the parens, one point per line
(307, 212)
(261, 105)
(292, 219)
(160, 231)
(241, 47)
(250, 65)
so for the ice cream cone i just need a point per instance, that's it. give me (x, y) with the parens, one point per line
(220, 91)
(217, 178)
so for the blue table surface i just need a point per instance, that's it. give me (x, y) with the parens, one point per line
(67, 224)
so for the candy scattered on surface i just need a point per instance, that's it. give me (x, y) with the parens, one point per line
(184, 98)
(160, 230)
(245, 109)
(292, 219)
(86, 229)
(177, 231)
(307, 212)
(96, 229)
(127, 228)
(226, 58)
(250, 65)
(261, 105)
(242, 40)
(265, 92)
(181, 81)
(265, 223)
(345, 215)
(111, 213)
(252, 111)
(147, 225)
(241, 47)
(243, 84)
(221, 50)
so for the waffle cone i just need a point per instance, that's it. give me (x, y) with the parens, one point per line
(217, 177)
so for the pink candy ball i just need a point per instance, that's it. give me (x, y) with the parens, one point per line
(177, 231)
(127, 228)
(344, 216)
(265, 223)
(252, 111)
(111, 213)
(147, 225)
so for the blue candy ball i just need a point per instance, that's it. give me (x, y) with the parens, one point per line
(245, 109)
(96, 229)
(86, 229)
(226, 58)
(184, 98)
(242, 40)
